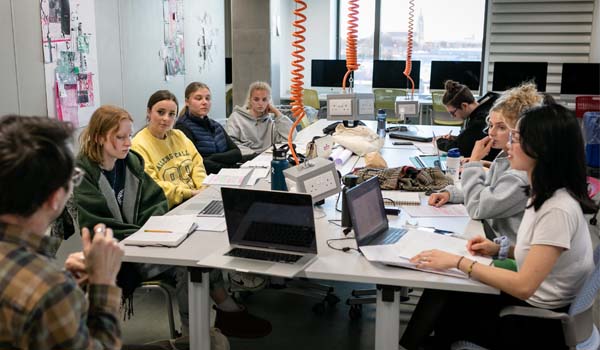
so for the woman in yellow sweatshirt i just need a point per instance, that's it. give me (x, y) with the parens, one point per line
(171, 159)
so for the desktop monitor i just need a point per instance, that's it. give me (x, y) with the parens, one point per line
(228, 78)
(390, 74)
(328, 73)
(580, 79)
(511, 74)
(464, 72)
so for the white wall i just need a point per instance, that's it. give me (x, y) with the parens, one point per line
(595, 47)
(320, 37)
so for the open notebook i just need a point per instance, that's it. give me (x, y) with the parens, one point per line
(415, 241)
(402, 198)
(163, 231)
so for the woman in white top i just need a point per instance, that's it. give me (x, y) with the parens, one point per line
(553, 249)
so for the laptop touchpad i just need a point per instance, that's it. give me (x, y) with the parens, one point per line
(247, 265)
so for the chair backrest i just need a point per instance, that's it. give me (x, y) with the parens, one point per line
(310, 97)
(386, 98)
(440, 115)
(587, 294)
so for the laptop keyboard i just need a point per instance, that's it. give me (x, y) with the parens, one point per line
(394, 236)
(264, 255)
(214, 208)
(291, 235)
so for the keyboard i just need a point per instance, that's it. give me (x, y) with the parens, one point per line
(214, 208)
(264, 255)
(394, 236)
(291, 235)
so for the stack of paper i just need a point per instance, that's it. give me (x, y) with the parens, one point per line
(229, 177)
(261, 161)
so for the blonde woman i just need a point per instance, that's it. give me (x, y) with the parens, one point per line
(252, 127)
(496, 195)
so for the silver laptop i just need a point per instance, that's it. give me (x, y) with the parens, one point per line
(208, 207)
(269, 232)
(367, 213)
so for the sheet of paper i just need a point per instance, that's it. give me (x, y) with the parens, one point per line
(235, 177)
(261, 161)
(430, 211)
(257, 174)
(207, 223)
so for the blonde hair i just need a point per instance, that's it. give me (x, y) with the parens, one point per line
(104, 121)
(512, 103)
(189, 90)
(257, 85)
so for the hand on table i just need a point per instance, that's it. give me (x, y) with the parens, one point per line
(482, 246)
(439, 199)
(435, 259)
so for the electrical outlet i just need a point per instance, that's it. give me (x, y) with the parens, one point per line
(318, 177)
(320, 183)
(366, 106)
(340, 107)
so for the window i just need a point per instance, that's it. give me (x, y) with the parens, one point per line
(441, 32)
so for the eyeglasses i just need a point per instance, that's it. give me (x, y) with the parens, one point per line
(453, 113)
(77, 176)
(513, 137)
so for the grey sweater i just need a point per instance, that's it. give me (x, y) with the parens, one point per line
(498, 196)
(254, 134)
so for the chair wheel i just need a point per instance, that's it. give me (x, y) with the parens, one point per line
(332, 299)
(355, 312)
(319, 308)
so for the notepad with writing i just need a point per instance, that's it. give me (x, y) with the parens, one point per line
(415, 241)
(402, 198)
(163, 231)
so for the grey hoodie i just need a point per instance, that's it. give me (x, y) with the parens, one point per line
(496, 196)
(254, 134)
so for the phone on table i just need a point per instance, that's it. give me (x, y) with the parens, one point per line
(402, 143)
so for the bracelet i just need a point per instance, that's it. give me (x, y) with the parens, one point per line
(470, 270)
(504, 247)
(458, 263)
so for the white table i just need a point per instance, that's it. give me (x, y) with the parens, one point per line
(330, 264)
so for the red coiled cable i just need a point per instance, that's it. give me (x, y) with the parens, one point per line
(297, 85)
(351, 38)
(409, 45)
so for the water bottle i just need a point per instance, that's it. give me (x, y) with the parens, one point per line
(381, 123)
(278, 165)
(453, 164)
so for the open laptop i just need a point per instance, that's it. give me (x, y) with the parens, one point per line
(412, 135)
(367, 213)
(269, 232)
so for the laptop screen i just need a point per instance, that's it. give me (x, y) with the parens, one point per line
(267, 219)
(367, 212)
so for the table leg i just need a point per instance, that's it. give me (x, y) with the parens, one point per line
(387, 317)
(199, 298)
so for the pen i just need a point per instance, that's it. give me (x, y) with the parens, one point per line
(159, 231)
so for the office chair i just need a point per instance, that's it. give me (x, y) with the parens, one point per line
(310, 97)
(386, 99)
(578, 327)
(439, 114)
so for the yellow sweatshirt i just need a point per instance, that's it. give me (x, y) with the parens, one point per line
(174, 163)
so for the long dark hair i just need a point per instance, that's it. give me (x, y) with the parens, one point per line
(551, 135)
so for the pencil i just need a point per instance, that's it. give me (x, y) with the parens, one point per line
(159, 231)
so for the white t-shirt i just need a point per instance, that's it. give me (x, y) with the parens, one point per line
(560, 223)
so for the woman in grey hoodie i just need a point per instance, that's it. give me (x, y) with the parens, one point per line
(252, 127)
(497, 195)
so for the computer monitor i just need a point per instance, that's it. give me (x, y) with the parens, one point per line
(464, 72)
(328, 73)
(512, 74)
(390, 74)
(580, 79)
(228, 78)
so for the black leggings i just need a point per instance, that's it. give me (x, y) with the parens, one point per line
(475, 317)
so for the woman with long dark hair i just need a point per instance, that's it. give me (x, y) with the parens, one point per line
(553, 250)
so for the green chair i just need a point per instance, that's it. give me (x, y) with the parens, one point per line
(386, 99)
(439, 114)
(310, 97)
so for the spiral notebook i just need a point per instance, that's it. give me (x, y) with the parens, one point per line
(402, 198)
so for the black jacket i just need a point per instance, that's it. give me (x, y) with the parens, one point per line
(474, 128)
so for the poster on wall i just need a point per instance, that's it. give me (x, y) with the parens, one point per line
(173, 49)
(70, 60)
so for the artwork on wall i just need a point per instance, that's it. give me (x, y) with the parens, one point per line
(173, 49)
(206, 41)
(70, 63)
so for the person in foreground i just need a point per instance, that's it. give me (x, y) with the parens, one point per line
(171, 159)
(461, 104)
(496, 195)
(252, 128)
(553, 250)
(42, 307)
(216, 147)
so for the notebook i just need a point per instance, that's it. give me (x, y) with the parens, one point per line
(402, 198)
(163, 231)
(269, 232)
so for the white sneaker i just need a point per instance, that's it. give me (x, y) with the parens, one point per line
(247, 281)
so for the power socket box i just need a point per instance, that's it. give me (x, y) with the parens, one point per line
(351, 106)
(317, 177)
